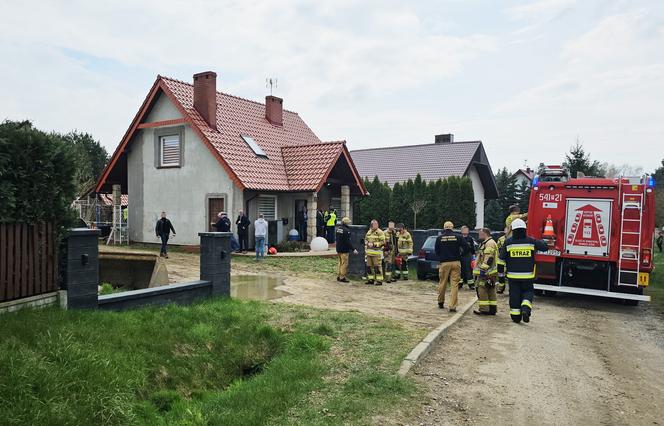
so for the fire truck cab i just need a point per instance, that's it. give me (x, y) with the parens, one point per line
(599, 232)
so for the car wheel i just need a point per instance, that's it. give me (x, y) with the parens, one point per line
(421, 276)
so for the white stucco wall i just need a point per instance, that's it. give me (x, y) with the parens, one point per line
(478, 190)
(181, 192)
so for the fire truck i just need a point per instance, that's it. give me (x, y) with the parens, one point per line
(599, 231)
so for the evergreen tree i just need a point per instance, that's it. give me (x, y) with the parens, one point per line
(523, 195)
(91, 158)
(36, 175)
(495, 211)
(578, 161)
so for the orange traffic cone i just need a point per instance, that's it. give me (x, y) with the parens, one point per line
(548, 229)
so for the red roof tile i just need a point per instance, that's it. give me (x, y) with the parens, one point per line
(296, 160)
(236, 117)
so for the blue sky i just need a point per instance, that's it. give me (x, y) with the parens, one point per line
(526, 77)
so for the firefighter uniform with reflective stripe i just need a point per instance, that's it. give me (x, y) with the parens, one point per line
(500, 287)
(517, 261)
(485, 276)
(389, 253)
(404, 249)
(374, 242)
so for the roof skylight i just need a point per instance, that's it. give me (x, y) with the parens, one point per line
(254, 146)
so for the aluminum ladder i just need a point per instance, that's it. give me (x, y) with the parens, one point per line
(631, 202)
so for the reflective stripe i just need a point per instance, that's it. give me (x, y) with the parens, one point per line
(500, 262)
(521, 275)
(372, 252)
(484, 303)
(527, 303)
(493, 302)
(515, 311)
(520, 246)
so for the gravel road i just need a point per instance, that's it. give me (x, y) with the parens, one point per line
(580, 361)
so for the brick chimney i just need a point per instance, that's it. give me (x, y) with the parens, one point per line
(274, 110)
(205, 96)
(446, 138)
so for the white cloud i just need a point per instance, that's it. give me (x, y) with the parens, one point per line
(541, 10)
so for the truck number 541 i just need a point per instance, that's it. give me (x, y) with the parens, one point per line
(550, 197)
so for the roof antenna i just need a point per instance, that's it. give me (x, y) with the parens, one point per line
(272, 83)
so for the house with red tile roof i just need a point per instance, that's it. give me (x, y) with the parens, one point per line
(433, 161)
(193, 151)
(524, 176)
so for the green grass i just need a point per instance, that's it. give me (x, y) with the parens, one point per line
(311, 264)
(217, 362)
(656, 287)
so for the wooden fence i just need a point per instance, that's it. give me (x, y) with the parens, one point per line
(28, 262)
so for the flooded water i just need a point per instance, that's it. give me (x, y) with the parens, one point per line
(256, 287)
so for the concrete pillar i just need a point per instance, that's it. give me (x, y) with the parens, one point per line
(312, 208)
(356, 261)
(345, 200)
(81, 276)
(216, 261)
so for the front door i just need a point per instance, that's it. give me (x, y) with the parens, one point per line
(301, 218)
(215, 205)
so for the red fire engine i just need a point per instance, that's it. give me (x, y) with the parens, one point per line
(600, 234)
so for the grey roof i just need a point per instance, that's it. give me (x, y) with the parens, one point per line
(432, 161)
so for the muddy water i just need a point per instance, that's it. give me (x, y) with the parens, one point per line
(256, 287)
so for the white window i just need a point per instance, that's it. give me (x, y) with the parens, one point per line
(169, 151)
(267, 206)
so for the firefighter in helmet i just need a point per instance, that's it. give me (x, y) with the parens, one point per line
(515, 213)
(390, 251)
(517, 261)
(374, 241)
(485, 274)
(404, 249)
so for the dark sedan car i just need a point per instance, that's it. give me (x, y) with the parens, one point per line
(427, 261)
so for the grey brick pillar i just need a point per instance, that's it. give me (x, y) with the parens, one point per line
(81, 276)
(216, 261)
(356, 261)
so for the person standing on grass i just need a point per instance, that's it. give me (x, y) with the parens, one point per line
(163, 230)
(260, 232)
(242, 222)
(344, 247)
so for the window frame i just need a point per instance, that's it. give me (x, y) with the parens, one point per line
(161, 133)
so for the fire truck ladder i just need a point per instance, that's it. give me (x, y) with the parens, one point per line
(630, 252)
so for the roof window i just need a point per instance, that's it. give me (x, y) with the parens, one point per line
(254, 146)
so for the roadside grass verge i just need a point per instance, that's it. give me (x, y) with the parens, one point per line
(656, 287)
(217, 362)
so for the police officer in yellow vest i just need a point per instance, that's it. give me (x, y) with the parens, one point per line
(404, 249)
(485, 274)
(330, 224)
(515, 213)
(373, 247)
(517, 260)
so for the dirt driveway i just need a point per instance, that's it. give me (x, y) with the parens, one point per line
(580, 361)
(410, 302)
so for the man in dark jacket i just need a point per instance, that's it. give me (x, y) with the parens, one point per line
(517, 262)
(223, 223)
(344, 247)
(449, 249)
(242, 222)
(320, 223)
(163, 230)
(466, 268)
